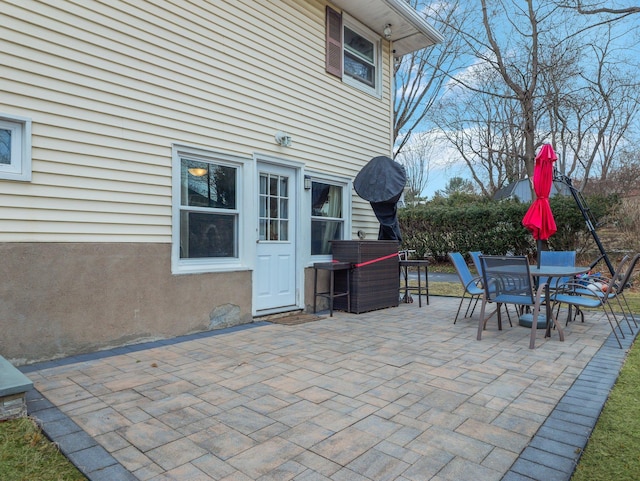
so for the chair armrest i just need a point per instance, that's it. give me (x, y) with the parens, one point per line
(578, 288)
(475, 281)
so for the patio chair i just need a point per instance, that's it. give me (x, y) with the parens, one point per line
(587, 293)
(507, 280)
(622, 282)
(475, 256)
(557, 258)
(626, 282)
(470, 284)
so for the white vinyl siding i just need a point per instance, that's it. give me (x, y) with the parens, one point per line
(110, 86)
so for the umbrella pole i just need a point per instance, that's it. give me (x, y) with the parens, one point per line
(539, 246)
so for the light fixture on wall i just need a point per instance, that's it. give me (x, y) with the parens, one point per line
(307, 182)
(198, 171)
(283, 139)
(387, 31)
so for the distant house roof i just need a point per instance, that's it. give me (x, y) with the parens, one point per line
(521, 190)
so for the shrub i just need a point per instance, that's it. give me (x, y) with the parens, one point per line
(470, 223)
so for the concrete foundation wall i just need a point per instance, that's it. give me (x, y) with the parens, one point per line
(62, 299)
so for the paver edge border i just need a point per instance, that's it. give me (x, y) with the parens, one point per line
(561, 430)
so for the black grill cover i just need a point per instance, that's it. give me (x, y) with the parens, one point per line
(381, 182)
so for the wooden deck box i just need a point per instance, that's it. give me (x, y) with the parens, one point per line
(375, 278)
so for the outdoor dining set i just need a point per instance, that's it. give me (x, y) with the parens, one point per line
(363, 275)
(555, 281)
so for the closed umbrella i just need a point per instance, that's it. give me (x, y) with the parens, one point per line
(539, 218)
(381, 182)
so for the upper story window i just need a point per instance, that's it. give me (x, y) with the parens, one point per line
(352, 53)
(359, 58)
(15, 148)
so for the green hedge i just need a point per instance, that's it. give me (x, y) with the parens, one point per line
(470, 223)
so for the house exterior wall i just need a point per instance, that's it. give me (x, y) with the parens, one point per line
(110, 87)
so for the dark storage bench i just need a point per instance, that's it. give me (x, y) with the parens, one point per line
(375, 280)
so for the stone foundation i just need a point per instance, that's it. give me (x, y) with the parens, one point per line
(13, 406)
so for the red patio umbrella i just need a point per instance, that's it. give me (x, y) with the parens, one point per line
(539, 218)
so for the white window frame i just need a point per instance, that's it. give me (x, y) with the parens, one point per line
(353, 25)
(19, 167)
(243, 173)
(347, 187)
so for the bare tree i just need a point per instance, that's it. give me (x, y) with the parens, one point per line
(416, 158)
(419, 77)
(590, 122)
(538, 88)
(484, 129)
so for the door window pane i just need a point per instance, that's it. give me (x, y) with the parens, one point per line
(274, 207)
(263, 229)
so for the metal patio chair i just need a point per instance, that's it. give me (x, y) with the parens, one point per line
(587, 293)
(557, 258)
(470, 284)
(507, 280)
(626, 282)
(475, 257)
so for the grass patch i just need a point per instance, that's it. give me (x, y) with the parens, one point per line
(27, 455)
(448, 289)
(612, 451)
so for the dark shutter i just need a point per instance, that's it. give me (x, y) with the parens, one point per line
(334, 42)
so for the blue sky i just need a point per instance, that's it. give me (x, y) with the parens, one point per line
(442, 169)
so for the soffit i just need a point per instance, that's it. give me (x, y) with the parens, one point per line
(410, 30)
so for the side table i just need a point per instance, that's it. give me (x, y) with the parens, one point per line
(332, 267)
(420, 289)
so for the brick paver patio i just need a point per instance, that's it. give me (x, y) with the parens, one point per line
(396, 394)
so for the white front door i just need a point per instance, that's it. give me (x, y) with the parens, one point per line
(275, 270)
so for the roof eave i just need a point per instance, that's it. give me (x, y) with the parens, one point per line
(410, 30)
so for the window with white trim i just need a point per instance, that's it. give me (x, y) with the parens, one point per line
(328, 215)
(15, 148)
(207, 206)
(353, 53)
